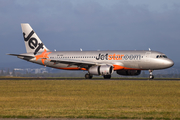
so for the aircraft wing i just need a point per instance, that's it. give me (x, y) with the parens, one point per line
(79, 63)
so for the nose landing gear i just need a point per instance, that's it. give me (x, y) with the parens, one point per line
(151, 76)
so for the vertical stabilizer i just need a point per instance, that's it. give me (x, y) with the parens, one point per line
(32, 42)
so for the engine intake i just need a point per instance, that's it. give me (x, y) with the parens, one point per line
(101, 70)
(129, 72)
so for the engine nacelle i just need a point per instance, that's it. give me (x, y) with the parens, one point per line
(101, 70)
(129, 72)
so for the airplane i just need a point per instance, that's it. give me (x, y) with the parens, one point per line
(100, 63)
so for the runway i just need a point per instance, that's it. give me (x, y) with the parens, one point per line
(71, 78)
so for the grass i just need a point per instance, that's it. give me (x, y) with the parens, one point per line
(89, 99)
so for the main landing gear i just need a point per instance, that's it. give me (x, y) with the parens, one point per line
(88, 76)
(151, 76)
(107, 76)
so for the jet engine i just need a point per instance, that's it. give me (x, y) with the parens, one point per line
(101, 70)
(129, 72)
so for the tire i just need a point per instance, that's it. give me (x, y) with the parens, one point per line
(151, 76)
(107, 76)
(88, 76)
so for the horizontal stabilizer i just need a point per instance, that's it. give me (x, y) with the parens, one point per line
(25, 57)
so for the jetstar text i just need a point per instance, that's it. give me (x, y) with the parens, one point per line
(117, 57)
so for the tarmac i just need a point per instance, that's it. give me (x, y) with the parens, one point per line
(39, 78)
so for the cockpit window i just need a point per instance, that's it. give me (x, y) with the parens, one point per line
(161, 56)
(164, 56)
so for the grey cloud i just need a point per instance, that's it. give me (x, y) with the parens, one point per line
(91, 25)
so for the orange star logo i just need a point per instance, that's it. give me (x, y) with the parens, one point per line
(43, 56)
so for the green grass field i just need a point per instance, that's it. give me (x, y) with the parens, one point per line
(89, 99)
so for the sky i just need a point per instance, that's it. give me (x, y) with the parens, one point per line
(66, 25)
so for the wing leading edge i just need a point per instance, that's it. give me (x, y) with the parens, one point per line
(79, 63)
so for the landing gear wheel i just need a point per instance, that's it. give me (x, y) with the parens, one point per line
(107, 76)
(88, 76)
(151, 76)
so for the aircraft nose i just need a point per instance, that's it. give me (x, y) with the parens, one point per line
(169, 63)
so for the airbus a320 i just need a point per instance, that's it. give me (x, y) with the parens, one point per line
(100, 63)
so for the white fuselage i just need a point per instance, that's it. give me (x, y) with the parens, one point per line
(129, 60)
(95, 62)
